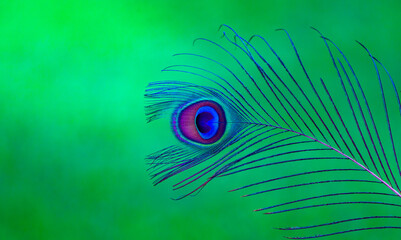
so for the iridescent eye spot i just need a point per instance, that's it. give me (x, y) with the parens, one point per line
(201, 122)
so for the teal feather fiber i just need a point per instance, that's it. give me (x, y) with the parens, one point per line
(319, 147)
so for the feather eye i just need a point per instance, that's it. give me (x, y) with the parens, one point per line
(203, 122)
(328, 145)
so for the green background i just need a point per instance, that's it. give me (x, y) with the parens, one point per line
(73, 136)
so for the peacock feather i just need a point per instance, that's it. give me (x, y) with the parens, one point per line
(328, 141)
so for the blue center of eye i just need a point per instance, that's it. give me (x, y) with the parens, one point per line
(207, 122)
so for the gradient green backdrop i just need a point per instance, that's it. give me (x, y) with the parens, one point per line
(73, 136)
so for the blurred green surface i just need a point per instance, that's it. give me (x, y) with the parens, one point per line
(73, 136)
